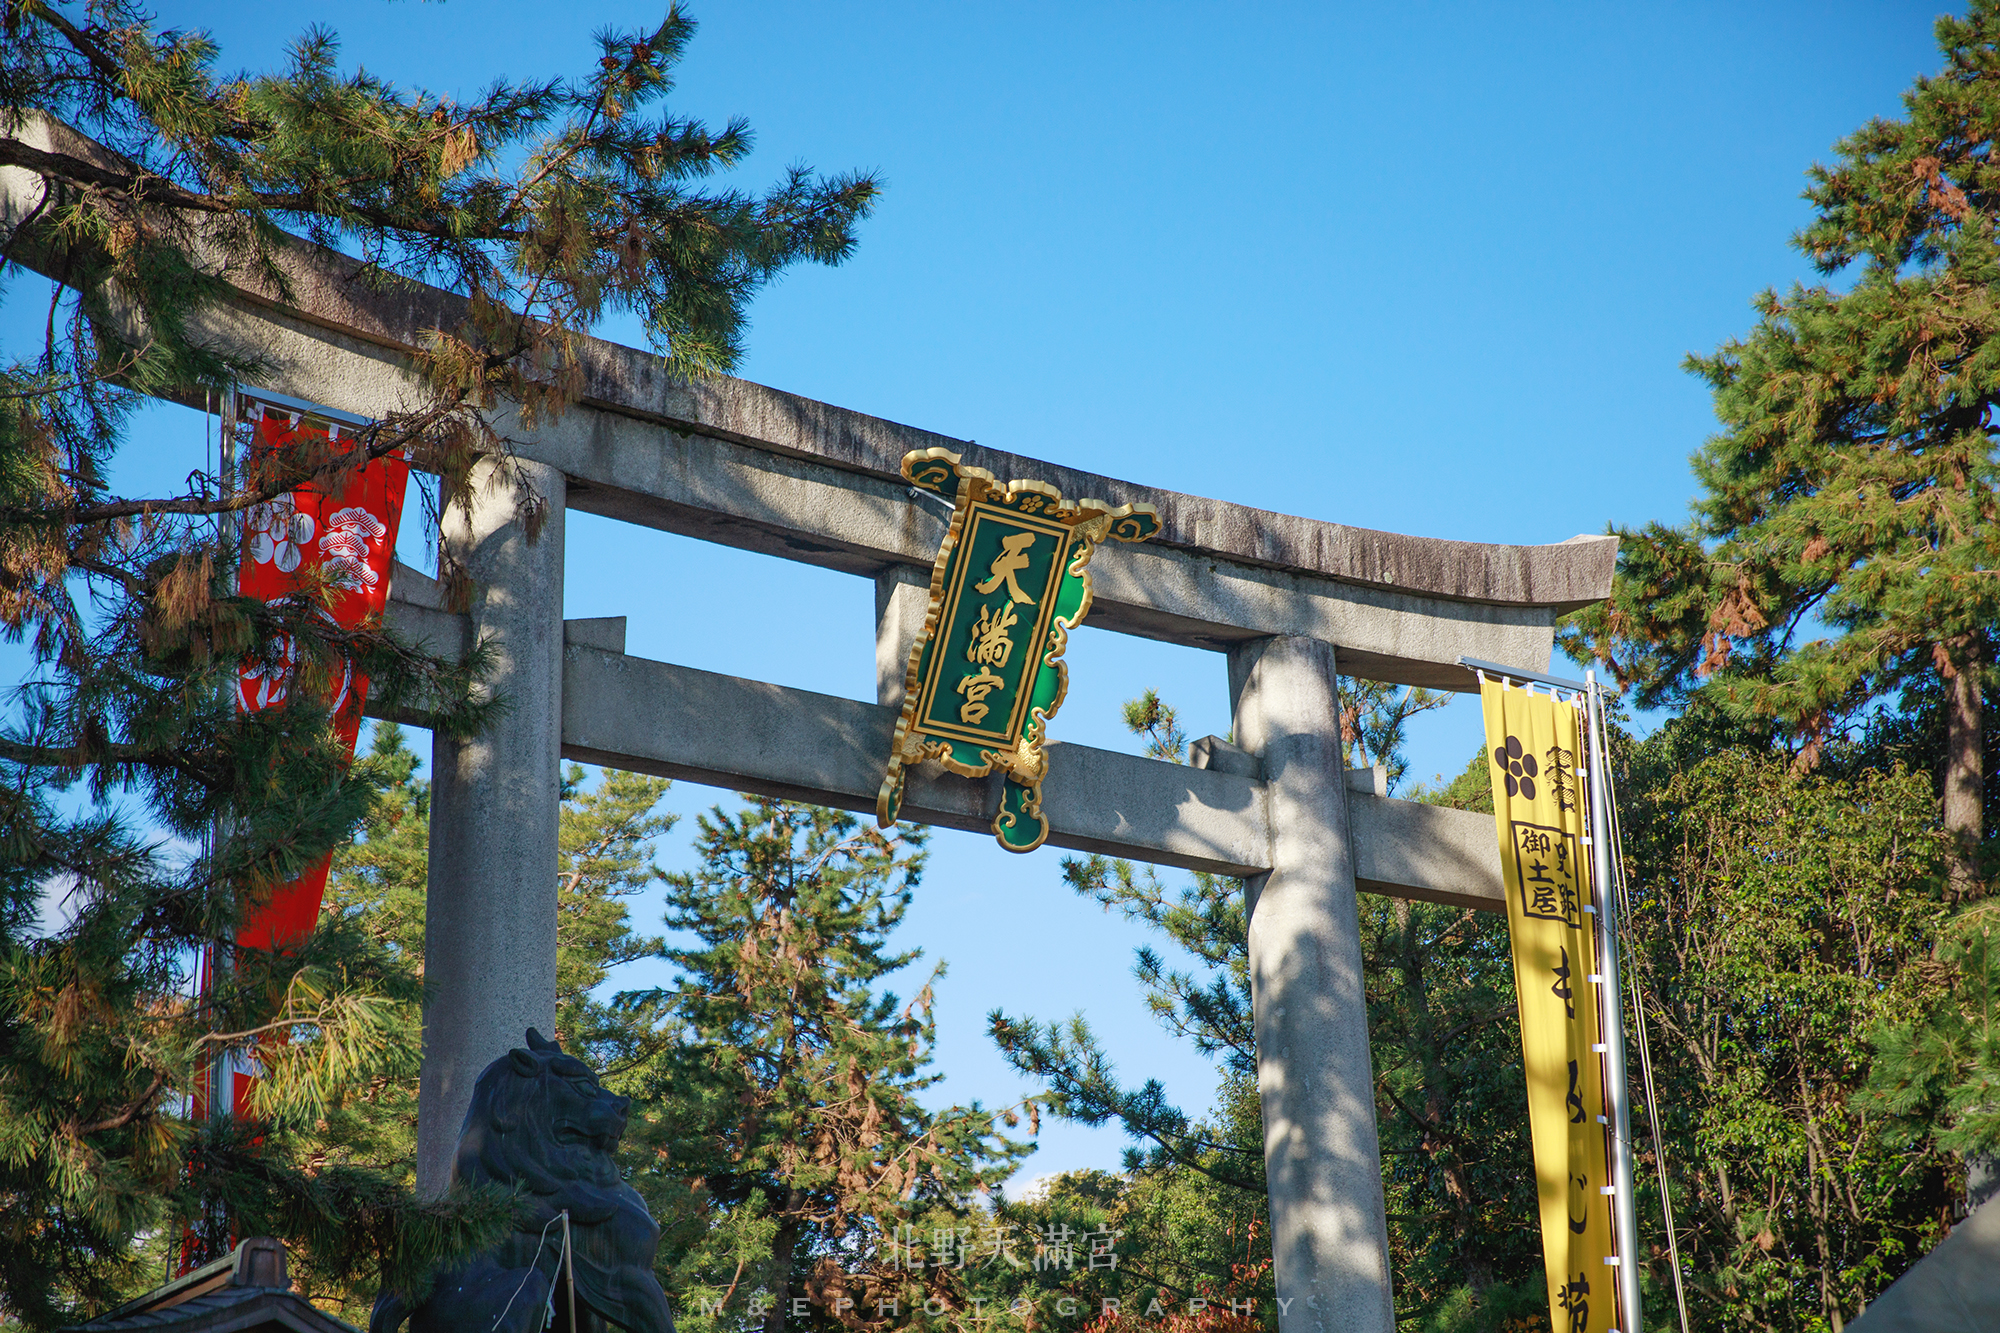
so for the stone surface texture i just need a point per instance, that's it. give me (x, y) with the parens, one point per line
(702, 726)
(902, 596)
(326, 291)
(739, 463)
(1329, 1235)
(764, 499)
(752, 466)
(490, 932)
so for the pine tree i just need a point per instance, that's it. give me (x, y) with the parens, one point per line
(605, 846)
(381, 873)
(1374, 717)
(784, 1143)
(1847, 530)
(131, 786)
(862, 1188)
(1193, 1201)
(1451, 1113)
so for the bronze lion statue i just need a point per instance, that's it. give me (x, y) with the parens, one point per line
(542, 1123)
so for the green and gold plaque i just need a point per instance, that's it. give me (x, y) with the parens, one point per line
(1010, 581)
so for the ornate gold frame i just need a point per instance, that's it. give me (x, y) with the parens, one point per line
(1025, 763)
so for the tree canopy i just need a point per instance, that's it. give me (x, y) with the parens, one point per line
(148, 187)
(1846, 536)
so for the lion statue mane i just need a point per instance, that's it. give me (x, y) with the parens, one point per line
(541, 1123)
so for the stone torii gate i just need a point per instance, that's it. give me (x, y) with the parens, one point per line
(1289, 601)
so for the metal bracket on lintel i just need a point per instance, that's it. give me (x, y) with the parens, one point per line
(1525, 677)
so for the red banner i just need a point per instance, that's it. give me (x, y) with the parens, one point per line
(349, 535)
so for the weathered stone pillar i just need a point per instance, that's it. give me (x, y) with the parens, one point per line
(902, 595)
(1328, 1233)
(490, 927)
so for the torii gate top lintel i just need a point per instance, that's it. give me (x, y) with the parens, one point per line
(633, 383)
(756, 467)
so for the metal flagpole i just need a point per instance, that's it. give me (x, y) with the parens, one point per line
(222, 1070)
(1610, 1010)
(222, 1100)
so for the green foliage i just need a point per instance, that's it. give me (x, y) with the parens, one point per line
(1451, 1106)
(1916, 733)
(131, 790)
(96, 1025)
(1373, 716)
(1470, 790)
(1778, 919)
(605, 844)
(1192, 1208)
(1854, 482)
(1204, 917)
(1211, 1008)
(1782, 919)
(776, 1130)
(551, 200)
(1938, 1074)
(1834, 593)
(379, 876)
(1061, 1222)
(780, 1137)
(377, 891)
(1158, 723)
(1849, 517)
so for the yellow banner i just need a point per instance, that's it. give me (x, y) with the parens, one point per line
(1533, 745)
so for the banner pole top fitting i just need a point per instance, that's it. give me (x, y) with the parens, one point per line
(1524, 677)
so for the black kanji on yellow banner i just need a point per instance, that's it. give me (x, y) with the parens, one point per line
(1533, 744)
(1010, 581)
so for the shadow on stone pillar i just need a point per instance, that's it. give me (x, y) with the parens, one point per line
(490, 925)
(1329, 1236)
(902, 595)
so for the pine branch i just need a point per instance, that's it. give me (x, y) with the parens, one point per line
(132, 1111)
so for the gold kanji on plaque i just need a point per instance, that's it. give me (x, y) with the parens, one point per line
(986, 674)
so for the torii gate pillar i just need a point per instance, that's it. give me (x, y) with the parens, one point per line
(496, 801)
(1322, 1162)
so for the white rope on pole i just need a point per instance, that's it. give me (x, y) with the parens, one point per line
(1613, 1033)
(569, 1271)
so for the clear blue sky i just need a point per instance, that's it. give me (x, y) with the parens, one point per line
(1428, 267)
